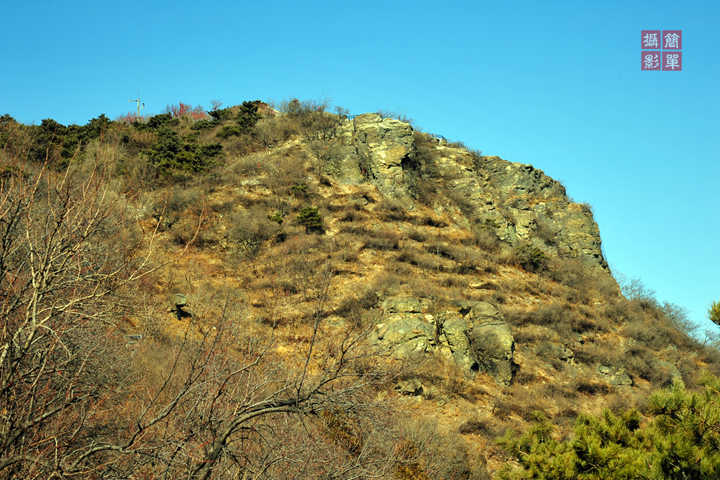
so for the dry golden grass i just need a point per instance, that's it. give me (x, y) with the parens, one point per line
(372, 248)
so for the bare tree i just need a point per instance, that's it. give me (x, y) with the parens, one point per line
(67, 252)
(75, 404)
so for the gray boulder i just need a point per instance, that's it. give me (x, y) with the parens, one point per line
(614, 375)
(490, 342)
(454, 336)
(412, 386)
(404, 335)
(493, 345)
(472, 333)
(178, 300)
(402, 305)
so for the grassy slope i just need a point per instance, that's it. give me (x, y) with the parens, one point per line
(273, 273)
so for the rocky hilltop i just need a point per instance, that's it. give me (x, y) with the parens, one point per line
(348, 297)
(518, 202)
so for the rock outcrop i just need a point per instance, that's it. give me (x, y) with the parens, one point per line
(518, 202)
(492, 342)
(614, 375)
(377, 150)
(471, 333)
(402, 330)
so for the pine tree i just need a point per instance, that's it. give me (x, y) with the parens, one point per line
(687, 431)
(714, 313)
(310, 219)
(680, 442)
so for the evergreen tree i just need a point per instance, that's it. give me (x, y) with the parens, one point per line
(687, 431)
(680, 442)
(310, 219)
(714, 313)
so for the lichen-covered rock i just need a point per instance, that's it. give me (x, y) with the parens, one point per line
(493, 345)
(614, 375)
(489, 340)
(404, 335)
(472, 333)
(402, 305)
(454, 337)
(516, 201)
(376, 149)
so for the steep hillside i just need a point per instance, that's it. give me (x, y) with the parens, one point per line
(277, 293)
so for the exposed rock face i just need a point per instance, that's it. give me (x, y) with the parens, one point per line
(454, 338)
(472, 334)
(614, 375)
(492, 342)
(402, 330)
(376, 149)
(517, 201)
(672, 370)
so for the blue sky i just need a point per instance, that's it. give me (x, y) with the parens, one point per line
(554, 84)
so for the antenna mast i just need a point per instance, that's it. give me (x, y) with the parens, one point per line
(138, 107)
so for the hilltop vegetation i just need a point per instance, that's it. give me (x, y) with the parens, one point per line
(359, 300)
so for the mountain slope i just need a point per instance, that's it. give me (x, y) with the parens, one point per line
(370, 279)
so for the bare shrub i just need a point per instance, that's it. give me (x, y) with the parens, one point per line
(429, 452)
(519, 402)
(391, 210)
(485, 427)
(419, 259)
(591, 354)
(324, 153)
(641, 362)
(587, 384)
(546, 231)
(486, 239)
(249, 165)
(572, 273)
(270, 131)
(69, 258)
(286, 172)
(382, 240)
(248, 229)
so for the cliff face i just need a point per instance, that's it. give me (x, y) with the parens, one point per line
(517, 201)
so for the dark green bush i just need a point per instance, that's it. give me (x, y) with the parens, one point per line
(59, 144)
(220, 114)
(203, 124)
(276, 217)
(299, 189)
(229, 131)
(172, 153)
(310, 218)
(157, 122)
(248, 116)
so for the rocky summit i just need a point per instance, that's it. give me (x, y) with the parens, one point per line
(280, 292)
(518, 202)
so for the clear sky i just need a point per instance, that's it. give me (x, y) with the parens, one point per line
(554, 84)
